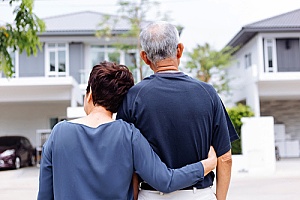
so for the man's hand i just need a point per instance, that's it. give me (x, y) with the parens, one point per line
(210, 163)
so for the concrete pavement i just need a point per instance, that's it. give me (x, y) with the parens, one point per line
(284, 184)
(22, 184)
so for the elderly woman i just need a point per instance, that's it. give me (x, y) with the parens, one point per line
(94, 157)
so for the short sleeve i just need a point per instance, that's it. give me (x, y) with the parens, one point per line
(223, 130)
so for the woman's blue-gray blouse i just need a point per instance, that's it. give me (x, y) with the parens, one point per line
(81, 162)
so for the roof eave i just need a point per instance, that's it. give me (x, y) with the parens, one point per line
(76, 33)
(246, 33)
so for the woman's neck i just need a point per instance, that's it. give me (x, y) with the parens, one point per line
(97, 116)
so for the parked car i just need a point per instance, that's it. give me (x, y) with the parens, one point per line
(16, 152)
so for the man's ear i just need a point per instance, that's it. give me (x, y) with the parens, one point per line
(143, 55)
(180, 48)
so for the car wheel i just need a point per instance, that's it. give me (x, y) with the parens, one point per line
(31, 160)
(17, 163)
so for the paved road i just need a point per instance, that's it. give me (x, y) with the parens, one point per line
(22, 184)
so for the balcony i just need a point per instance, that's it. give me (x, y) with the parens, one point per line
(40, 89)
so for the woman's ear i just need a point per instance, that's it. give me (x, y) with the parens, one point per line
(143, 55)
(89, 97)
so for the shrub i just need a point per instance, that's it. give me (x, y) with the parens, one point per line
(236, 113)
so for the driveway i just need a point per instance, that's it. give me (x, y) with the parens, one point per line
(284, 184)
(22, 184)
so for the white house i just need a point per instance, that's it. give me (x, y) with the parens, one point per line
(266, 75)
(44, 86)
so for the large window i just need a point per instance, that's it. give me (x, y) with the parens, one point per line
(99, 53)
(288, 55)
(282, 55)
(56, 59)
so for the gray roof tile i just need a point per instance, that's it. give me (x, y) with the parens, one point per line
(289, 21)
(82, 22)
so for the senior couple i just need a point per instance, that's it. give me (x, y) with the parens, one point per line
(171, 131)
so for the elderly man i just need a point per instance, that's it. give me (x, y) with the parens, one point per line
(179, 116)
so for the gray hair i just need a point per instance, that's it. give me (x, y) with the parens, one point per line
(159, 40)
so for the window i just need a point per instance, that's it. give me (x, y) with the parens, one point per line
(53, 121)
(288, 51)
(269, 53)
(282, 54)
(248, 61)
(114, 57)
(238, 64)
(130, 60)
(14, 55)
(56, 59)
(99, 53)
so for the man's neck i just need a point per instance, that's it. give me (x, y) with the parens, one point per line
(168, 64)
(166, 69)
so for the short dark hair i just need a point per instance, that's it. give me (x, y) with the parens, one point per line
(109, 83)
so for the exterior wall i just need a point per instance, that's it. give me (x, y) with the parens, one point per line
(243, 80)
(25, 118)
(254, 83)
(76, 61)
(32, 66)
(285, 112)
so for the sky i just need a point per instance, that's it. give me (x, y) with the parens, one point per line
(205, 21)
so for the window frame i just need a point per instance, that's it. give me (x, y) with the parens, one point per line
(49, 49)
(15, 63)
(106, 50)
(248, 60)
(270, 42)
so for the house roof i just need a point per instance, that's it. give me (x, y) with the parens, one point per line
(287, 22)
(82, 23)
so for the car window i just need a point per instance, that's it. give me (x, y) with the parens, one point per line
(8, 141)
(27, 143)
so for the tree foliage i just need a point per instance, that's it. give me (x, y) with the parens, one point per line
(236, 114)
(209, 65)
(135, 13)
(21, 36)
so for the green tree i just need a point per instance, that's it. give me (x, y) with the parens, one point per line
(236, 114)
(135, 13)
(21, 36)
(209, 65)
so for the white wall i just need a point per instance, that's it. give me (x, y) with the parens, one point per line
(25, 118)
(242, 83)
(258, 147)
